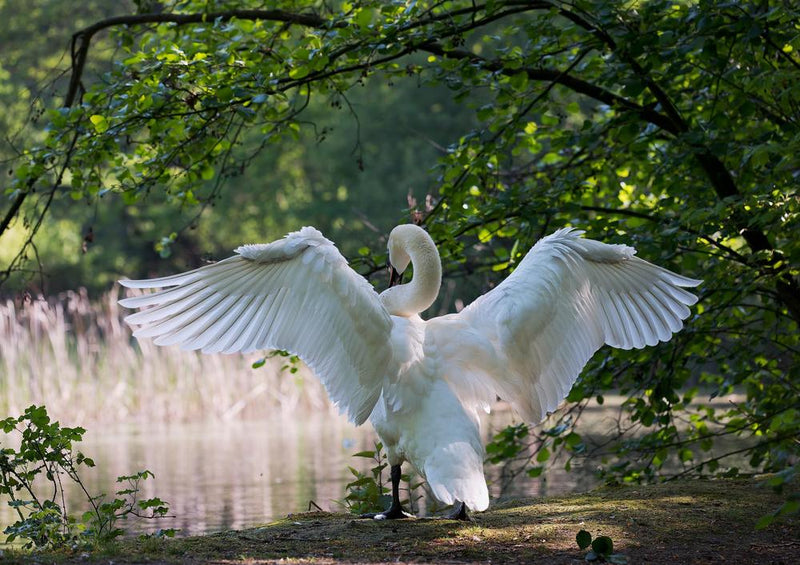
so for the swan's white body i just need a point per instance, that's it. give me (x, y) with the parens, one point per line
(421, 420)
(420, 382)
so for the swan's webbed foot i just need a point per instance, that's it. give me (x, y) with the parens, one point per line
(459, 513)
(396, 510)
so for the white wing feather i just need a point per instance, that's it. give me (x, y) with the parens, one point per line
(297, 294)
(529, 338)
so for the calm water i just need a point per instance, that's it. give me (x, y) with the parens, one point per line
(233, 475)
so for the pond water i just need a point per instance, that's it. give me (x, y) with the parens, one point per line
(238, 474)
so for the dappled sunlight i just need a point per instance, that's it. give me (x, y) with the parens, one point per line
(531, 530)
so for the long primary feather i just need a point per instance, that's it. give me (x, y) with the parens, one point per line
(297, 294)
(567, 298)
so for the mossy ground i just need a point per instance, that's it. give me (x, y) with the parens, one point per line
(696, 521)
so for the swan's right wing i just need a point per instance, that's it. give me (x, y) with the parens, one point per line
(297, 294)
(528, 339)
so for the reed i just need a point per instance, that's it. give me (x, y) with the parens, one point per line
(78, 357)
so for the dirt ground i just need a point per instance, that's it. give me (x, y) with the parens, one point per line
(689, 522)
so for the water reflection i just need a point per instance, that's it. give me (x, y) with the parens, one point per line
(238, 474)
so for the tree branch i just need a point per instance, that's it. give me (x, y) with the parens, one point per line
(86, 34)
(12, 211)
(559, 77)
(81, 41)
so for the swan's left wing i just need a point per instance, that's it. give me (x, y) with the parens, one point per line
(529, 338)
(297, 294)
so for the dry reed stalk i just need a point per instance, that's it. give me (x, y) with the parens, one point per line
(79, 359)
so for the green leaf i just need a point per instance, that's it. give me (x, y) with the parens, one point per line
(100, 123)
(207, 172)
(535, 472)
(363, 17)
(299, 72)
(519, 81)
(603, 546)
(764, 521)
(583, 538)
(789, 507)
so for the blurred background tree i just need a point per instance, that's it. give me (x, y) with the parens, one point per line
(670, 125)
(348, 168)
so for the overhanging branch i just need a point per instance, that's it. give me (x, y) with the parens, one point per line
(81, 42)
(86, 34)
(559, 77)
(668, 119)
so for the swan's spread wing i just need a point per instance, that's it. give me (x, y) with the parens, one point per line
(528, 339)
(296, 294)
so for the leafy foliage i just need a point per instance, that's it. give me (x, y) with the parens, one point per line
(669, 125)
(291, 365)
(369, 492)
(782, 482)
(45, 457)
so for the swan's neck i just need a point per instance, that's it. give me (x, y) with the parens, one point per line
(418, 295)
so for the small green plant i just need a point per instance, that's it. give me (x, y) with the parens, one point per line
(508, 443)
(369, 492)
(778, 482)
(43, 463)
(292, 361)
(602, 548)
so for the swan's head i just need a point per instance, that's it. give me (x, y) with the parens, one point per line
(412, 244)
(399, 241)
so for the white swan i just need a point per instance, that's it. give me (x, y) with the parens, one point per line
(422, 382)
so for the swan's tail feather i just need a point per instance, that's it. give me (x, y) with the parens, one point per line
(455, 473)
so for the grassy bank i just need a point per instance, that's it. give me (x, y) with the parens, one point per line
(678, 522)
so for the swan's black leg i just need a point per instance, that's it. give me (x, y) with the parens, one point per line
(396, 510)
(459, 512)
